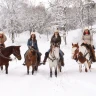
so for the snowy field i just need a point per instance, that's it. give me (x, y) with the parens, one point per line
(70, 82)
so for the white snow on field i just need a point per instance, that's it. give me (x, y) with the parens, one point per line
(70, 82)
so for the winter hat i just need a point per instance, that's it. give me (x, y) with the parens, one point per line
(32, 33)
(56, 31)
(1, 32)
(86, 28)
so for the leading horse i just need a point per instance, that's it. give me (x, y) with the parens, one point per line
(5, 55)
(54, 59)
(82, 56)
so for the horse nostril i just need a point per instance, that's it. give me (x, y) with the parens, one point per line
(19, 57)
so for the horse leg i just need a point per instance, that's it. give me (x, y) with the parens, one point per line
(33, 68)
(59, 67)
(80, 67)
(86, 67)
(50, 72)
(6, 68)
(90, 67)
(56, 72)
(2, 67)
(27, 70)
(86, 70)
(89, 64)
(36, 68)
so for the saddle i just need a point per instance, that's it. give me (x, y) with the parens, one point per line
(91, 51)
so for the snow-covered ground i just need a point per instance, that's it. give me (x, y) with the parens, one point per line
(70, 82)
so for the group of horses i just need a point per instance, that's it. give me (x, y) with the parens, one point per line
(79, 53)
(31, 59)
(54, 59)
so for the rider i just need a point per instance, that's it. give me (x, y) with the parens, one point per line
(32, 42)
(55, 39)
(88, 42)
(3, 38)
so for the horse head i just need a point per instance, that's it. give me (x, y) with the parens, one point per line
(55, 50)
(75, 50)
(16, 52)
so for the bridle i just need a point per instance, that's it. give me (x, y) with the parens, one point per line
(15, 53)
(32, 49)
(52, 58)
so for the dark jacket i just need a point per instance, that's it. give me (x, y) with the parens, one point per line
(56, 40)
(32, 43)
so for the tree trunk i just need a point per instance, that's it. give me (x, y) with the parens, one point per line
(64, 38)
(12, 37)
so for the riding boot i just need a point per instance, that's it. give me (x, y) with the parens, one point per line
(92, 54)
(24, 58)
(38, 58)
(62, 60)
(46, 56)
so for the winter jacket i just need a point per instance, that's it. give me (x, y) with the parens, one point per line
(88, 39)
(32, 43)
(56, 40)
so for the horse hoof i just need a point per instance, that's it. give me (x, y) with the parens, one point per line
(27, 73)
(36, 68)
(86, 70)
(32, 73)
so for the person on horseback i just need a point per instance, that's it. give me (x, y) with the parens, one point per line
(3, 38)
(32, 43)
(88, 43)
(55, 39)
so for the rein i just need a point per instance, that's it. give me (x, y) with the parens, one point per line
(82, 56)
(33, 49)
(52, 59)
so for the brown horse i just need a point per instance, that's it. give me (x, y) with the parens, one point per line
(82, 56)
(31, 60)
(5, 55)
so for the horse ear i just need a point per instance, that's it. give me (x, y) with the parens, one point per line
(77, 43)
(72, 44)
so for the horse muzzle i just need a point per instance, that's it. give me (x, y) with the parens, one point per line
(19, 57)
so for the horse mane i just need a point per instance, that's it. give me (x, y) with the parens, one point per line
(6, 48)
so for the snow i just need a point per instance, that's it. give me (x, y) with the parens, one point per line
(70, 82)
